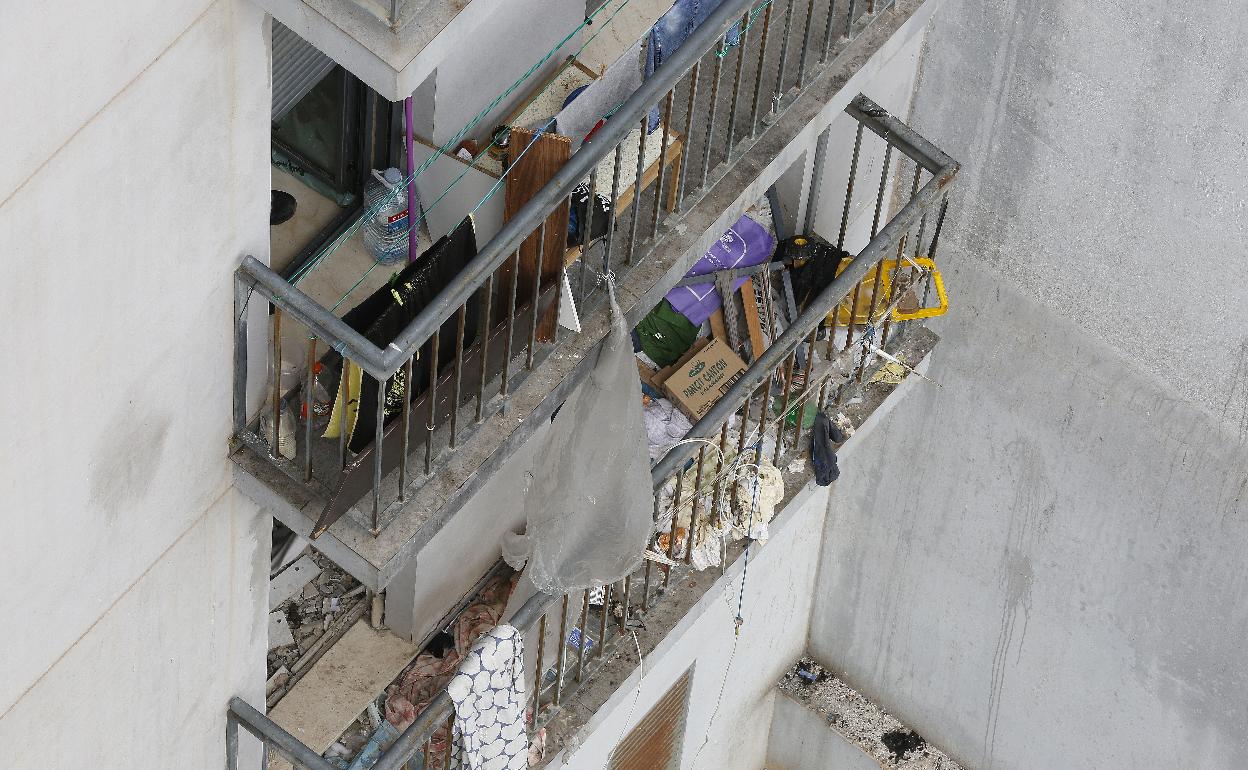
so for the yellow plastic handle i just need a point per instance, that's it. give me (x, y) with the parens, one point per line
(941, 296)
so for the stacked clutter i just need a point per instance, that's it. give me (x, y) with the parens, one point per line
(694, 344)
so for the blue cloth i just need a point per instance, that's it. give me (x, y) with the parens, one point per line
(672, 30)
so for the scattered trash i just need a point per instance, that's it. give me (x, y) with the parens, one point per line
(891, 373)
(291, 580)
(901, 743)
(876, 732)
(279, 630)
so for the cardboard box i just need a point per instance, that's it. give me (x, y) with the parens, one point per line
(698, 381)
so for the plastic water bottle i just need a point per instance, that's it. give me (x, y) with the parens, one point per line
(385, 233)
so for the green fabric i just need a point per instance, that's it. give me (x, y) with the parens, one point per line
(666, 335)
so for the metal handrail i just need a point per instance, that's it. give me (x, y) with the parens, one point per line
(382, 364)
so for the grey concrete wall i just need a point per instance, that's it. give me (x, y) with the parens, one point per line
(136, 175)
(801, 740)
(1039, 564)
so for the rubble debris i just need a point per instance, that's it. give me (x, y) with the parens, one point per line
(291, 580)
(279, 630)
(901, 743)
(321, 603)
(866, 725)
(279, 679)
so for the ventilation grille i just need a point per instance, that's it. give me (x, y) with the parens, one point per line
(654, 744)
(297, 67)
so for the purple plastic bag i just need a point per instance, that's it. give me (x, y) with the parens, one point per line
(746, 243)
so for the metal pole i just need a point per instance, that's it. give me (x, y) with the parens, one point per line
(413, 232)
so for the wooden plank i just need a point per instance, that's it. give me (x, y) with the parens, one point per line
(752, 322)
(719, 329)
(339, 686)
(529, 169)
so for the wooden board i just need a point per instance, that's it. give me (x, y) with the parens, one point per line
(525, 177)
(749, 303)
(719, 328)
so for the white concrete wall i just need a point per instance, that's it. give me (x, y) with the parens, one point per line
(800, 739)
(136, 177)
(734, 677)
(494, 56)
(463, 551)
(1042, 564)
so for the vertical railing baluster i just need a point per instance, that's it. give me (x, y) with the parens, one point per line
(511, 325)
(787, 386)
(409, 392)
(539, 676)
(827, 33)
(849, 21)
(710, 121)
(627, 605)
(784, 57)
(587, 239)
(687, 145)
(309, 404)
(383, 385)
(344, 391)
(615, 214)
(275, 439)
(584, 630)
(641, 168)
(717, 492)
(425, 759)
(432, 401)
(805, 394)
(562, 650)
(673, 529)
(696, 509)
(849, 188)
(801, 66)
(758, 76)
(487, 302)
(658, 182)
(239, 405)
(736, 83)
(602, 620)
(534, 309)
(879, 199)
(456, 393)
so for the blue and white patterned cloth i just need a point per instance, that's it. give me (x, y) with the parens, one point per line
(489, 698)
(670, 32)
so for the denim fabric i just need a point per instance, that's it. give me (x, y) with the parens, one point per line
(673, 29)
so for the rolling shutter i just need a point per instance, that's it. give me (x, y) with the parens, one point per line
(297, 67)
(654, 744)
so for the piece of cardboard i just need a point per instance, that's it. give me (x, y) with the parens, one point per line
(699, 381)
(661, 375)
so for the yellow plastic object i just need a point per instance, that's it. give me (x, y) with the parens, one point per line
(862, 311)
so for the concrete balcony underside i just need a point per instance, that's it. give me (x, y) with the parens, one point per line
(392, 62)
(483, 448)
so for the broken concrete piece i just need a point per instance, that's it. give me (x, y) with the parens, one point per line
(279, 630)
(278, 680)
(291, 580)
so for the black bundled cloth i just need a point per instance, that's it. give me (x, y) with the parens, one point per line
(824, 440)
(814, 264)
(387, 312)
(579, 213)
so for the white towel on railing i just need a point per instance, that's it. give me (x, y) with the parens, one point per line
(489, 697)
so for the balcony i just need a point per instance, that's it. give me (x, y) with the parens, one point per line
(844, 350)
(743, 122)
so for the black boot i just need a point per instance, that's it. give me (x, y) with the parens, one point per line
(282, 207)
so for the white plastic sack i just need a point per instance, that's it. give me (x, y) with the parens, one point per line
(589, 501)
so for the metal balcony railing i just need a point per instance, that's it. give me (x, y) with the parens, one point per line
(697, 475)
(472, 346)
